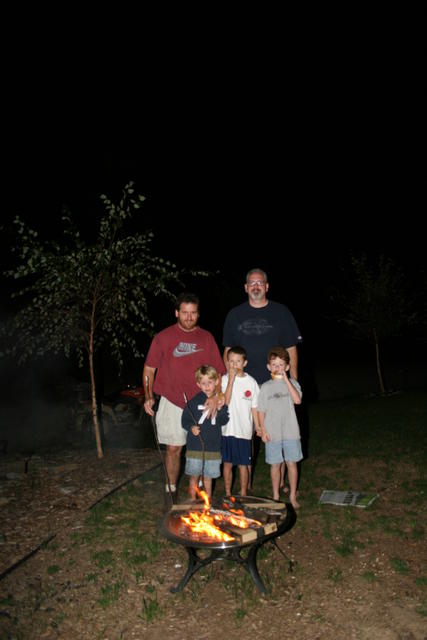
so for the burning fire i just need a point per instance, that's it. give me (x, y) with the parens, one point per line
(206, 523)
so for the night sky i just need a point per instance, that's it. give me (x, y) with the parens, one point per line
(295, 207)
(281, 145)
(288, 172)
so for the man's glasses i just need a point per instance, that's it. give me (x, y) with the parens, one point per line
(253, 283)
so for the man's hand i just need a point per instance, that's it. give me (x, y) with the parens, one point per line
(212, 405)
(221, 400)
(148, 406)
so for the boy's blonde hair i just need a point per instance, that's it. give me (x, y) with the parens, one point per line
(206, 370)
(279, 352)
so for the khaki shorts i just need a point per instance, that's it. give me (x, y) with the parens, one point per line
(168, 421)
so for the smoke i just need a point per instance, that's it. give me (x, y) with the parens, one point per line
(34, 404)
(36, 411)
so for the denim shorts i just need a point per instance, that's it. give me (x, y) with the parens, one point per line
(277, 452)
(193, 467)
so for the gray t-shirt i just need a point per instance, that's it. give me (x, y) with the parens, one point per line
(275, 402)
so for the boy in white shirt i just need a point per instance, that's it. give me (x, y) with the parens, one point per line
(241, 395)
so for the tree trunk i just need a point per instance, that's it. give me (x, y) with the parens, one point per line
(93, 388)
(377, 353)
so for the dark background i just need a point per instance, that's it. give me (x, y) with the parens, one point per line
(288, 156)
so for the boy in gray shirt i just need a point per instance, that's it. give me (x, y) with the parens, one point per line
(279, 427)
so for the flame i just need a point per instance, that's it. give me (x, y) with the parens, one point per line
(238, 512)
(203, 522)
(206, 523)
(204, 497)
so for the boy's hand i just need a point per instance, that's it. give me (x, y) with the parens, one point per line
(265, 436)
(232, 373)
(195, 430)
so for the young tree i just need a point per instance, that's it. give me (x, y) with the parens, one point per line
(76, 296)
(376, 303)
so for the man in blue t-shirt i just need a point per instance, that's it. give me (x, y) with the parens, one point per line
(258, 325)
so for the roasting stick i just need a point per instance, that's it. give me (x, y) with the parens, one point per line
(202, 477)
(153, 422)
(272, 506)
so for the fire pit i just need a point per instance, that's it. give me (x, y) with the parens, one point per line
(240, 527)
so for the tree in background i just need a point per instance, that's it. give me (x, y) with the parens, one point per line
(76, 296)
(377, 303)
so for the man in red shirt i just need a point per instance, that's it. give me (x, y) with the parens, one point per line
(173, 357)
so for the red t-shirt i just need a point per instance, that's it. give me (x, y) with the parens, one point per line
(176, 354)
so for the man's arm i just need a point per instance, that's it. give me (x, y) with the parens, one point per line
(224, 356)
(147, 383)
(293, 364)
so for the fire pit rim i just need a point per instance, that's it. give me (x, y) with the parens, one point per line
(282, 527)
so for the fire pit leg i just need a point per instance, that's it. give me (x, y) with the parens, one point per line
(194, 564)
(251, 566)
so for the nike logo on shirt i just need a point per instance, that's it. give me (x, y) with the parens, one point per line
(185, 349)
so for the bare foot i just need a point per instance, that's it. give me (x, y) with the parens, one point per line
(286, 490)
(295, 503)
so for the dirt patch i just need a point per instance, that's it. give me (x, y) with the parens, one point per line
(40, 495)
(355, 573)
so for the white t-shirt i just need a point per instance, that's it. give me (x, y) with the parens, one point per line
(244, 398)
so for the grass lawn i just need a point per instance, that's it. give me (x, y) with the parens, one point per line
(355, 572)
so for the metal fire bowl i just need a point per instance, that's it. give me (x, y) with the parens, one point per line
(175, 530)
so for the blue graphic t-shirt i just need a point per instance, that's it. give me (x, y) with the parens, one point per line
(258, 330)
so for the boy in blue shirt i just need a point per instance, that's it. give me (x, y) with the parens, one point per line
(204, 434)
